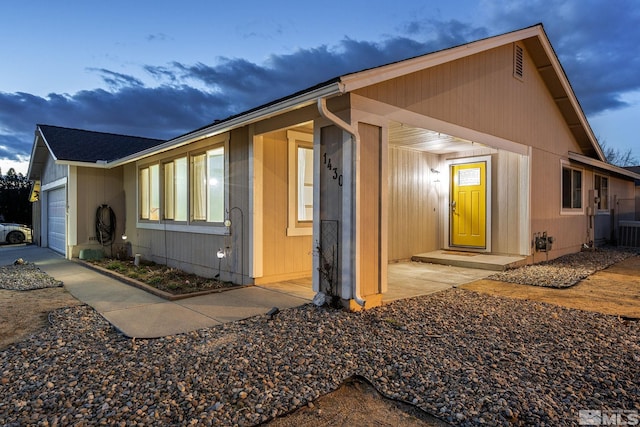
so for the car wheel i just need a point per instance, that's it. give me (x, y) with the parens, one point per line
(15, 237)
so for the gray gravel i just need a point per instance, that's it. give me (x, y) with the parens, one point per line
(564, 271)
(465, 357)
(25, 277)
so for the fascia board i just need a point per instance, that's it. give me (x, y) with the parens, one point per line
(602, 165)
(362, 79)
(289, 104)
(555, 62)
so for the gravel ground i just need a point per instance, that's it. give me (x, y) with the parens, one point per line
(24, 277)
(564, 271)
(465, 357)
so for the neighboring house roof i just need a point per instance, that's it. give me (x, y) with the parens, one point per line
(533, 38)
(71, 146)
(634, 169)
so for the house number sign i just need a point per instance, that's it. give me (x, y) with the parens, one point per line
(336, 175)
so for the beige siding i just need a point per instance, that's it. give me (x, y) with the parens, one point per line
(480, 92)
(505, 203)
(193, 251)
(97, 187)
(283, 256)
(414, 208)
(52, 172)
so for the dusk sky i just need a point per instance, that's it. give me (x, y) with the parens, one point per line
(162, 68)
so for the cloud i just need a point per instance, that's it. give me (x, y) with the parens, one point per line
(595, 43)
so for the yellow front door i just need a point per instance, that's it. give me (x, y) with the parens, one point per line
(469, 205)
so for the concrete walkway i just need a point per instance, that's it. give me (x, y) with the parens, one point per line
(139, 314)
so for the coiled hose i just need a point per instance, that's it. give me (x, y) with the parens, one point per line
(105, 225)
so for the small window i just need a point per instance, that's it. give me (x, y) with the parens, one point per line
(175, 190)
(518, 62)
(207, 188)
(602, 185)
(300, 164)
(305, 183)
(150, 193)
(571, 188)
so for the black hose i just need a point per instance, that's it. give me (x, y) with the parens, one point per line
(105, 225)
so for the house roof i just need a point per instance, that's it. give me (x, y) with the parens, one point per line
(533, 38)
(85, 147)
(636, 170)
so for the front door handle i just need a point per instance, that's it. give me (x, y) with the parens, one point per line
(453, 206)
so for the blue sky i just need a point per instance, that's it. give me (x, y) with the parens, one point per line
(162, 68)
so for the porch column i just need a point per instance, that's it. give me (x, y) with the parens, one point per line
(348, 229)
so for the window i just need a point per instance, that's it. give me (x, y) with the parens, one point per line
(305, 183)
(175, 190)
(207, 186)
(571, 188)
(150, 193)
(602, 185)
(300, 164)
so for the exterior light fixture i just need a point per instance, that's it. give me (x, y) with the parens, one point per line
(124, 237)
(220, 254)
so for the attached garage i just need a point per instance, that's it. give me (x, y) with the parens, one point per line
(56, 224)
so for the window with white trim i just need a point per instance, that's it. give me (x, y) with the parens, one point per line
(207, 186)
(602, 185)
(300, 165)
(176, 189)
(150, 193)
(571, 188)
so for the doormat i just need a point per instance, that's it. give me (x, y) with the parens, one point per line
(459, 253)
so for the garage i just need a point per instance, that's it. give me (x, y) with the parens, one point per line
(56, 202)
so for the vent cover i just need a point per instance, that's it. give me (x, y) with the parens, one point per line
(518, 62)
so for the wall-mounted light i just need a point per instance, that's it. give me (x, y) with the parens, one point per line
(124, 237)
(221, 254)
(437, 176)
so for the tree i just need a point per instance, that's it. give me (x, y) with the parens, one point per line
(617, 157)
(14, 198)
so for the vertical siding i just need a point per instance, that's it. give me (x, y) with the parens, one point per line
(283, 256)
(505, 215)
(414, 203)
(479, 92)
(97, 187)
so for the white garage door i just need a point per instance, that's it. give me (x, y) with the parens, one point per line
(56, 202)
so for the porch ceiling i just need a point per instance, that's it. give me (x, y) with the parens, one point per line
(401, 135)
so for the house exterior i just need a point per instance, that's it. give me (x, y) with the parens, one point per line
(477, 148)
(70, 183)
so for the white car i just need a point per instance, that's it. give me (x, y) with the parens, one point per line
(14, 233)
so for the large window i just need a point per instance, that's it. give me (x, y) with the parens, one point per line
(150, 193)
(300, 164)
(571, 188)
(207, 186)
(176, 190)
(187, 190)
(602, 185)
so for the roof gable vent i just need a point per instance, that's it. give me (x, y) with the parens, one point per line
(518, 62)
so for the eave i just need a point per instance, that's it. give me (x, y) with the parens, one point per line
(580, 158)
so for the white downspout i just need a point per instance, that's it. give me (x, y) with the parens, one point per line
(324, 112)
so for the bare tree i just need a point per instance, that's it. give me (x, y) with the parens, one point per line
(618, 157)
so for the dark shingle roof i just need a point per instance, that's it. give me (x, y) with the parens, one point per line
(87, 146)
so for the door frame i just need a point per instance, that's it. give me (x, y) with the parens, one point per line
(446, 208)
